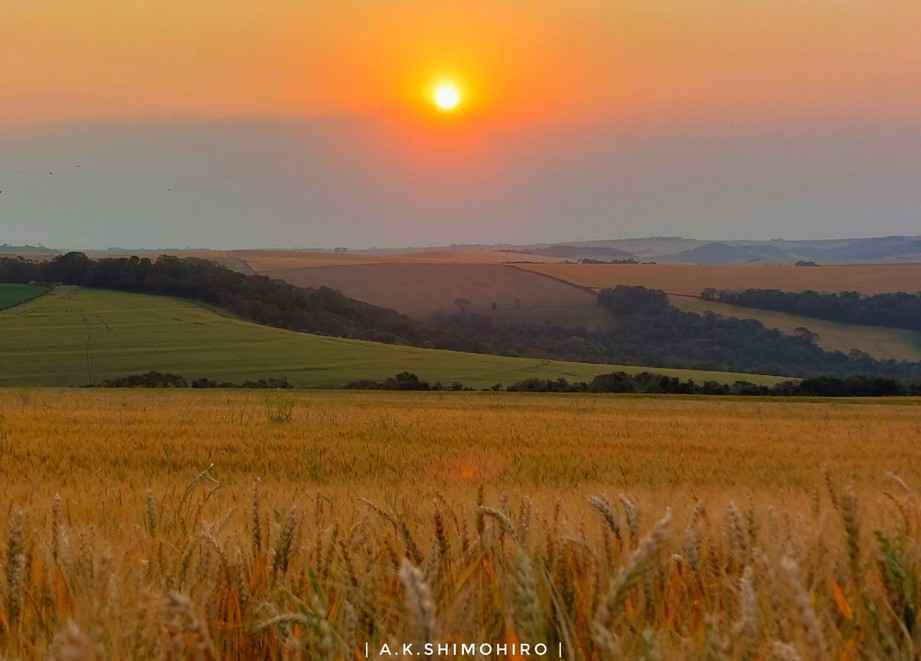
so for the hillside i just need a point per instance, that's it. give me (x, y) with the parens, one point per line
(421, 289)
(879, 342)
(72, 336)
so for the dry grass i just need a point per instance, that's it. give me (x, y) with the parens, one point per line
(188, 525)
(691, 280)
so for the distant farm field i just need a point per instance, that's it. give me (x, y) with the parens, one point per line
(692, 280)
(78, 336)
(187, 524)
(269, 261)
(881, 343)
(421, 289)
(12, 295)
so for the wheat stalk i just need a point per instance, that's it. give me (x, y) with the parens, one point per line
(629, 574)
(805, 614)
(15, 564)
(603, 507)
(527, 604)
(419, 603)
(746, 629)
(852, 532)
(504, 522)
(632, 512)
(285, 543)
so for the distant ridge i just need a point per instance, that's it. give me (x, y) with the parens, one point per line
(868, 249)
(717, 253)
(673, 249)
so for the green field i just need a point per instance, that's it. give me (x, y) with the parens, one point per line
(75, 336)
(11, 295)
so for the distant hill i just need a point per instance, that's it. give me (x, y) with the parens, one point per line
(889, 247)
(675, 249)
(778, 251)
(499, 291)
(716, 253)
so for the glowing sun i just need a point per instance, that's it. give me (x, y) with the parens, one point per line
(447, 97)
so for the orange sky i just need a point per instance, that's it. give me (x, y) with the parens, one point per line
(231, 123)
(526, 61)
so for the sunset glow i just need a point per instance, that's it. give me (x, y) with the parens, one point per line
(546, 61)
(447, 97)
(527, 120)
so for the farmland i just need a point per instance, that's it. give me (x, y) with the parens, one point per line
(419, 284)
(12, 295)
(691, 280)
(421, 289)
(187, 524)
(78, 336)
(271, 261)
(879, 342)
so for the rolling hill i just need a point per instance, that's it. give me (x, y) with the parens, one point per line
(75, 336)
(421, 289)
(777, 251)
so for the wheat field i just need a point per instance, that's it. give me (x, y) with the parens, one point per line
(328, 525)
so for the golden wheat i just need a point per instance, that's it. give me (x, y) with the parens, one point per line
(189, 525)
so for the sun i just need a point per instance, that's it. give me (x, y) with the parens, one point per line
(447, 97)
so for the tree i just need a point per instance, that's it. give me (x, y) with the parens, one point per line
(462, 304)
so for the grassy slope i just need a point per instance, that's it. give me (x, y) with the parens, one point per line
(879, 342)
(12, 295)
(63, 337)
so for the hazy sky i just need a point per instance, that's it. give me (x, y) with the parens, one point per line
(294, 123)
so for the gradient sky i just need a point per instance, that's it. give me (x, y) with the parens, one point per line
(288, 123)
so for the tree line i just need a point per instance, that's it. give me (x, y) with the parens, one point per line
(155, 379)
(255, 298)
(652, 383)
(649, 331)
(892, 310)
(648, 383)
